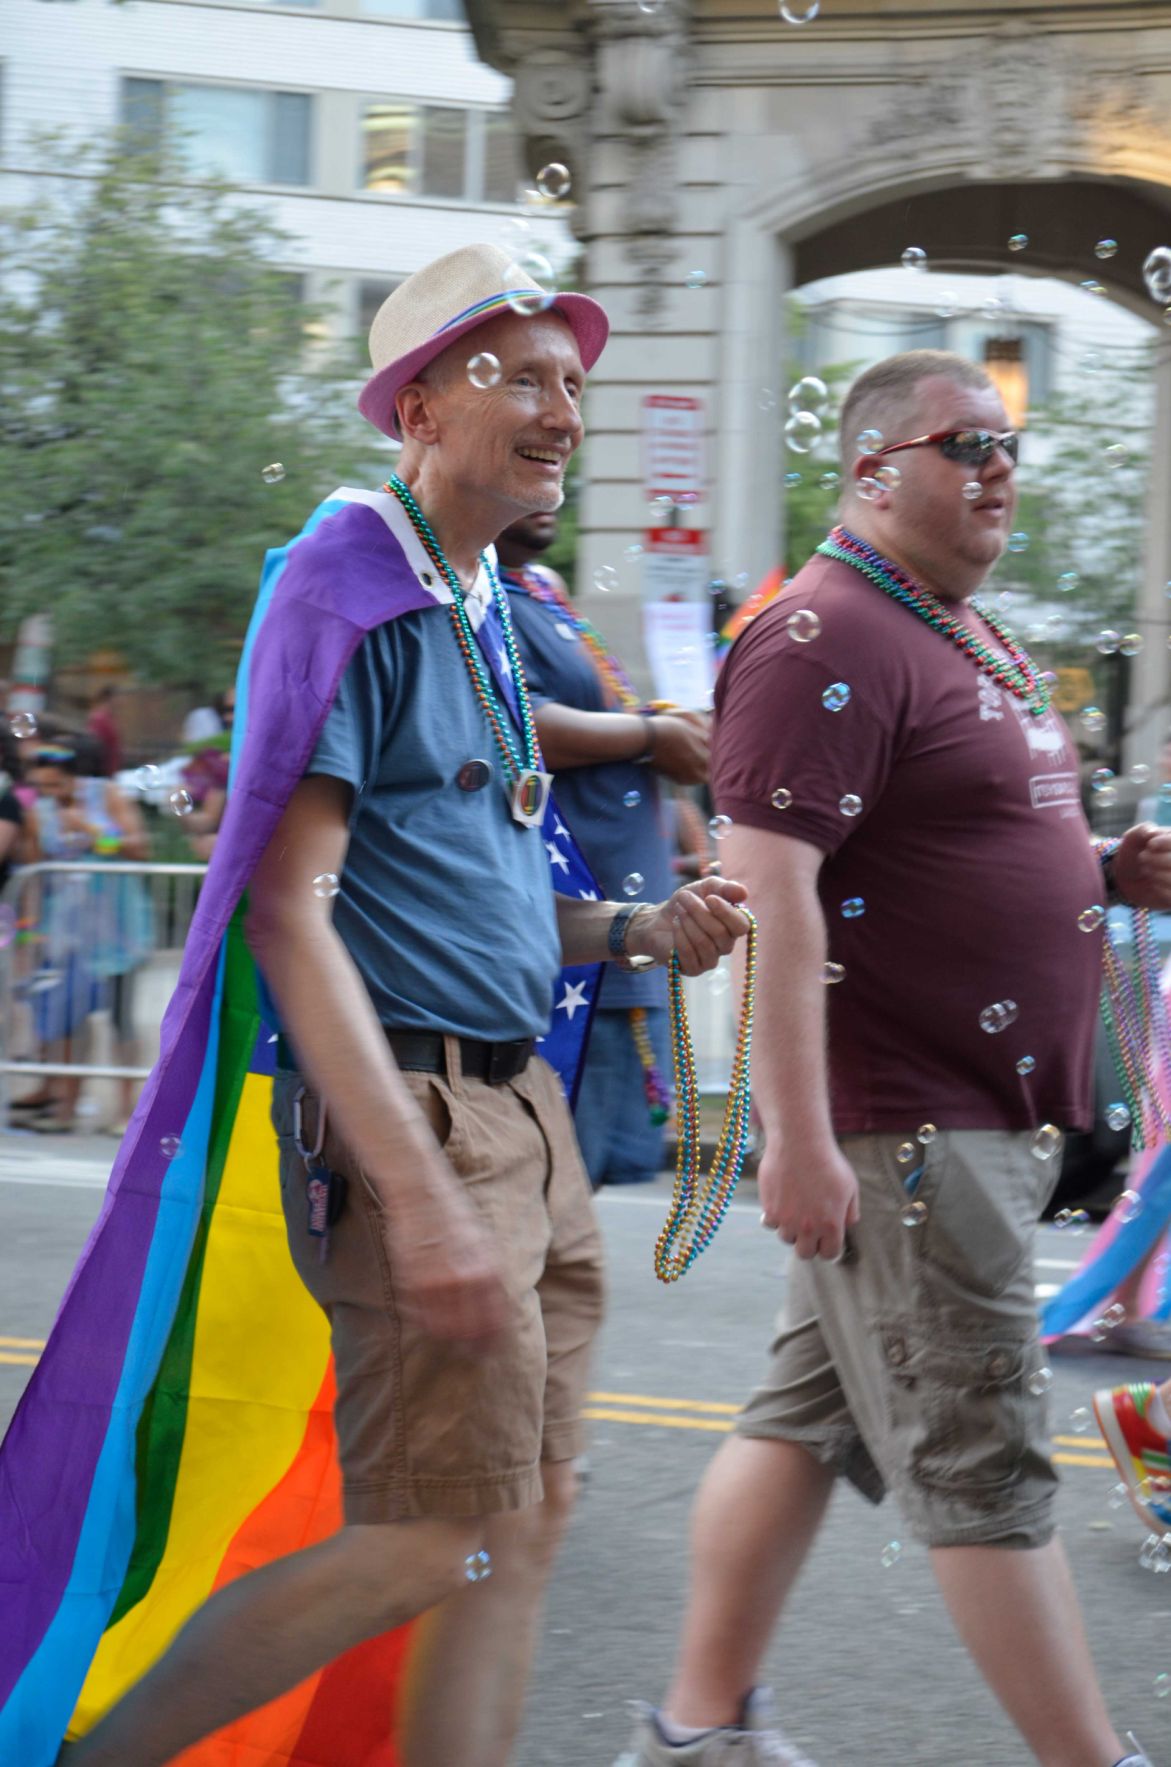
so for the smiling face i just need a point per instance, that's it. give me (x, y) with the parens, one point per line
(925, 522)
(508, 443)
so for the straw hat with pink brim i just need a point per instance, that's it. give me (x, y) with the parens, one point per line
(438, 304)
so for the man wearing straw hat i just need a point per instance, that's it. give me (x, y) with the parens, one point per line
(401, 913)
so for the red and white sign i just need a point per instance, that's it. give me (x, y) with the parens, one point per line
(672, 447)
(675, 564)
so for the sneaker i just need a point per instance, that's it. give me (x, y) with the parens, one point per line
(755, 1743)
(1141, 1453)
(1143, 1337)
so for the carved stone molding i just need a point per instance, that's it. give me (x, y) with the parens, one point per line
(551, 100)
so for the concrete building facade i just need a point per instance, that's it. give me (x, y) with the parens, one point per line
(723, 157)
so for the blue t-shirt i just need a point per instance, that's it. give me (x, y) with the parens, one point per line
(446, 905)
(615, 809)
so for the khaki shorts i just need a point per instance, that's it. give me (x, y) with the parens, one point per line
(424, 1428)
(908, 1364)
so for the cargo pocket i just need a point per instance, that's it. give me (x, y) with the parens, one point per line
(981, 1195)
(960, 1412)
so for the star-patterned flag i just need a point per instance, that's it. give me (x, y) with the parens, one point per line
(576, 992)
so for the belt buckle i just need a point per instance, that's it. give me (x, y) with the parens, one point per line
(502, 1061)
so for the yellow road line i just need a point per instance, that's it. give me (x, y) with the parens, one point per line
(23, 1361)
(22, 1343)
(1082, 1460)
(666, 1404)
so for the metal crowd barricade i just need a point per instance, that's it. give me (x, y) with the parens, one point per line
(48, 918)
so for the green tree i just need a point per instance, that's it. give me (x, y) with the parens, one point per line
(154, 359)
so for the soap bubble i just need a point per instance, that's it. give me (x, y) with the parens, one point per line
(782, 798)
(1040, 1381)
(1046, 1141)
(631, 552)
(1106, 643)
(1066, 581)
(1118, 1498)
(148, 778)
(1130, 644)
(553, 181)
(1162, 1686)
(1100, 777)
(661, 508)
(180, 803)
(836, 696)
(1081, 1421)
(170, 1146)
(1018, 542)
(766, 399)
(696, 278)
(535, 267)
(914, 1214)
(891, 1553)
(22, 724)
(853, 908)
(1139, 774)
(605, 578)
(1116, 455)
(326, 885)
(273, 474)
(792, 480)
(803, 625)
(868, 490)
(484, 370)
(632, 799)
(1018, 242)
(1157, 273)
(870, 441)
(1128, 1207)
(850, 805)
(998, 1016)
(1091, 918)
(808, 394)
(634, 884)
(829, 481)
(905, 1153)
(833, 972)
(477, 1566)
(1106, 249)
(973, 490)
(1118, 1116)
(800, 12)
(889, 477)
(802, 431)
(1026, 1064)
(1091, 361)
(914, 258)
(1093, 286)
(925, 1134)
(1093, 719)
(720, 827)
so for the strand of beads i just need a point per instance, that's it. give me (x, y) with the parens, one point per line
(619, 689)
(514, 761)
(1018, 674)
(1135, 1017)
(658, 1099)
(697, 1209)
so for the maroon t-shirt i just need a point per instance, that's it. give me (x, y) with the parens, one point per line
(970, 855)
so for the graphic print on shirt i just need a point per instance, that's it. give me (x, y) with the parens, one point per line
(1056, 787)
(991, 699)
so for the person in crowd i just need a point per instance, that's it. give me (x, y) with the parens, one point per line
(103, 727)
(205, 779)
(202, 723)
(94, 932)
(608, 753)
(463, 1273)
(904, 806)
(12, 816)
(1135, 1421)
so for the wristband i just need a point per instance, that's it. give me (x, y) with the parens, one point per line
(616, 940)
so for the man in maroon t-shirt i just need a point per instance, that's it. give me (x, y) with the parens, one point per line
(906, 817)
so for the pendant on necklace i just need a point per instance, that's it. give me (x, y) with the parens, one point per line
(530, 796)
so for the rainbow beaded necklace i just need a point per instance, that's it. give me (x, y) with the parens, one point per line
(697, 1210)
(1016, 672)
(515, 762)
(616, 683)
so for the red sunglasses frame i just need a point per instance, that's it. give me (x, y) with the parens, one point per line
(945, 435)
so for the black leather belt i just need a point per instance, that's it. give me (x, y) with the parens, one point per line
(423, 1052)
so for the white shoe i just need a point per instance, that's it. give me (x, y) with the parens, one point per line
(755, 1743)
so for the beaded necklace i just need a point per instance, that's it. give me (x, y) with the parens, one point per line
(696, 1211)
(516, 764)
(616, 683)
(1135, 1015)
(1016, 672)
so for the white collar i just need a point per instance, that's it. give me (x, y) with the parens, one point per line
(477, 598)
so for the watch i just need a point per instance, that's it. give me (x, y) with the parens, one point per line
(616, 940)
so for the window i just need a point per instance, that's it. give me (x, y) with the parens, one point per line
(437, 150)
(370, 297)
(447, 10)
(242, 133)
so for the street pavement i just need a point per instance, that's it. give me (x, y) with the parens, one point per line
(865, 1667)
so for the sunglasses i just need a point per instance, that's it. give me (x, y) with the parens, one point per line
(971, 447)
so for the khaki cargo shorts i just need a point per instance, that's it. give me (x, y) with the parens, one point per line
(425, 1428)
(908, 1364)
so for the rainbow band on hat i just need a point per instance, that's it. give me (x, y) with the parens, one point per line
(492, 304)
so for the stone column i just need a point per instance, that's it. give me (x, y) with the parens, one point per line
(1149, 711)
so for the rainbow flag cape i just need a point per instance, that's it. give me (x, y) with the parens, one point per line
(177, 1431)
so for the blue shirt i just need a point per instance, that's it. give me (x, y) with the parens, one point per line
(446, 905)
(615, 809)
